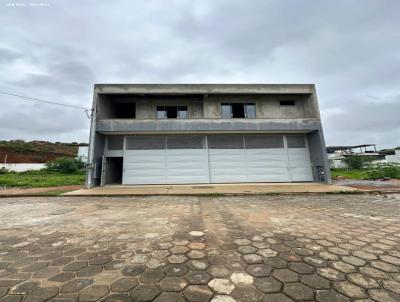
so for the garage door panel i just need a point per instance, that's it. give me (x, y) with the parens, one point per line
(267, 165)
(187, 166)
(276, 177)
(299, 164)
(301, 174)
(227, 165)
(143, 180)
(229, 159)
(185, 179)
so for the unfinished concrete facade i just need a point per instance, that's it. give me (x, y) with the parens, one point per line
(205, 133)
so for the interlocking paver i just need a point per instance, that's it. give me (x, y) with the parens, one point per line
(331, 274)
(175, 270)
(350, 290)
(363, 281)
(197, 293)
(197, 277)
(330, 295)
(315, 281)
(152, 276)
(298, 291)
(133, 270)
(117, 298)
(221, 286)
(259, 270)
(170, 297)
(25, 288)
(75, 265)
(42, 294)
(173, 284)
(380, 295)
(268, 285)
(277, 298)
(145, 292)
(93, 293)
(253, 248)
(248, 294)
(124, 284)
(285, 275)
(75, 285)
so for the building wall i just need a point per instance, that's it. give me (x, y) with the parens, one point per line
(21, 167)
(319, 160)
(267, 106)
(393, 158)
(204, 109)
(83, 152)
(147, 109)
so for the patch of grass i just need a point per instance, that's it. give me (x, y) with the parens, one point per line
(215, 194)
(40, 179)
(350, 174)
(344, 192)
(54, 192)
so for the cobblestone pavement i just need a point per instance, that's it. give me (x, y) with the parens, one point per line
(255, 248)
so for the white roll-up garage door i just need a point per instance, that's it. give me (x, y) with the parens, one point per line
(216, 159)
(165, 160)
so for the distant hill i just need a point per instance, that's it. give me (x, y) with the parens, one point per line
(19, 151)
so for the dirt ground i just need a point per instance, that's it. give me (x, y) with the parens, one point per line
(168, 248)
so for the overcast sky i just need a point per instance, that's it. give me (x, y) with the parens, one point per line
(57, 50)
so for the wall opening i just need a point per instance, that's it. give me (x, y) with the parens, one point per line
(117, 107)
(175, 112)
(114, 168)
(238, 110)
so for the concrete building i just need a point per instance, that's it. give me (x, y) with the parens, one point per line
(205, 133)
(394, 157)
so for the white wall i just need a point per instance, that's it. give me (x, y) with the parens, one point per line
(22, 167)
(83, 152)
(393, 158)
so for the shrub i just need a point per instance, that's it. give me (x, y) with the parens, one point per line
(382, 170)
(3, 170)
(356, 161)
(65, 165)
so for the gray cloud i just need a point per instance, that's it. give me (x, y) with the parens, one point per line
(348, 48)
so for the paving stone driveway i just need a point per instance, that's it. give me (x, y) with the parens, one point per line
(254, 248)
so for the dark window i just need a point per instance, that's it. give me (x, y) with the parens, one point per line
(287, 103)
(238, 110)
(263, 141)
(124, 110)
(172, 112)
(296, 141)
(185, 142)
(225, 142)
(115, 142)
(145, 142)
(116, 106)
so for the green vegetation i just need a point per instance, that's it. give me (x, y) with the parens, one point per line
(42, 178)
(21, 146)
(54, 192)
(369, 171)
(350, 174)
(65, 165)
(384, 170)
(215, 194)
(355, 162)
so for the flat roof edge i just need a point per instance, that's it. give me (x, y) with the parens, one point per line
(204, 88)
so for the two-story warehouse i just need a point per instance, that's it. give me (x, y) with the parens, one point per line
(205, 133)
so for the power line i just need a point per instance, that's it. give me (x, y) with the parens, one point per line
(43, 101)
